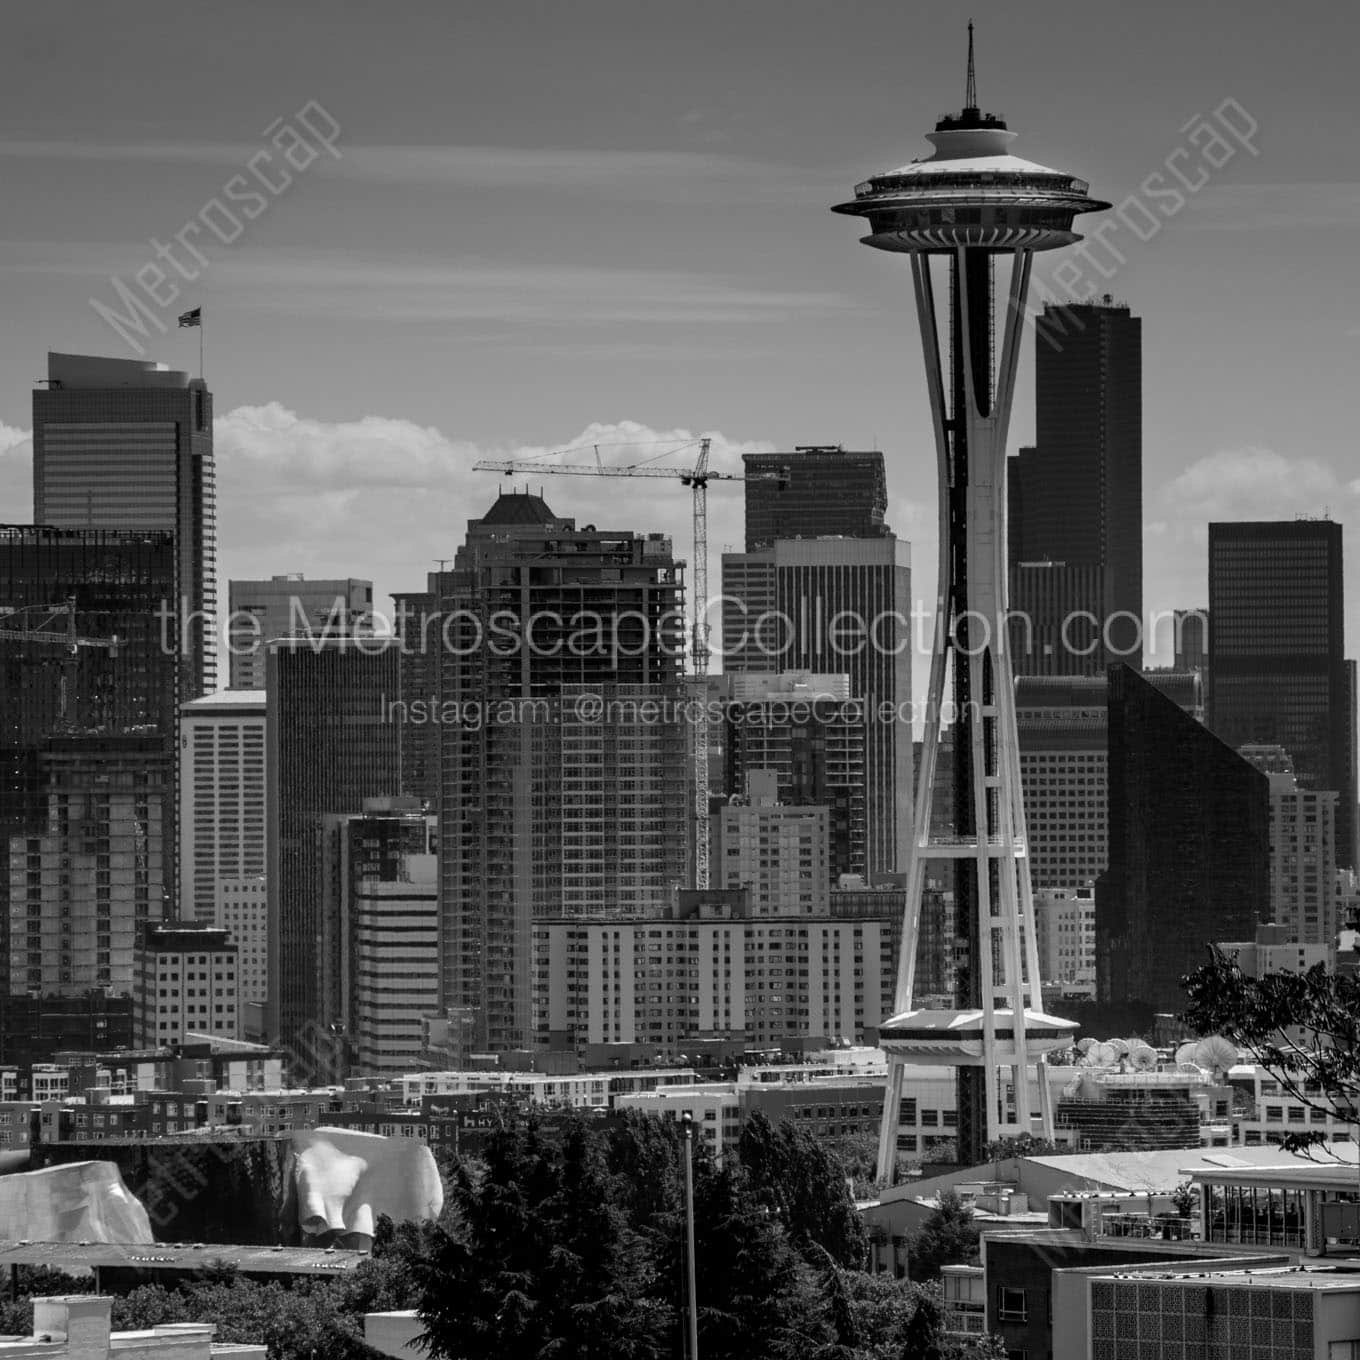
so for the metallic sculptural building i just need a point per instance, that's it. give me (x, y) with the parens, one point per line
(955, 214)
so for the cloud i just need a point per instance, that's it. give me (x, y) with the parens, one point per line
(384, 498)
(662, 176)
(1252, 483)
(366, 285)
(16, 475)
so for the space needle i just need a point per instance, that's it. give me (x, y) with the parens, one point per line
(969, 205)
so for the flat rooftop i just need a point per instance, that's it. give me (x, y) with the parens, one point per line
(181, 1256)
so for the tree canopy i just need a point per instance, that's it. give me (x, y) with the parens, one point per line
(1303, 1028)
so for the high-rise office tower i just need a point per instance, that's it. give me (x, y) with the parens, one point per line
(87, 747)
(808, 732)
(222, 800)
(1076, 496)
(777, 852)
(1303, 881)
(1061, 721)
(127, 444)
(837, 606)
(1064, 769)
(384, 890)
(967, 207)
(564, 754)
(1277, 664)
(90, 875)
(259, 612)
(1189, 847)
(818, 491)
(331, 743)
(1190, 641)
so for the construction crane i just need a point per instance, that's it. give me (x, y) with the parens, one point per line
(41, 629)
(697, 479)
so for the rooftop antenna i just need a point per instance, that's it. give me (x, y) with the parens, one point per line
(970, 95)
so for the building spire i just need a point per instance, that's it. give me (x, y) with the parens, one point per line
(970, 94)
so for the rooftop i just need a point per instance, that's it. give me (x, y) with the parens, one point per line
(179, 1256)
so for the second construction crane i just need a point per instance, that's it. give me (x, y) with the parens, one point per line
(36, 624)
(697, 479)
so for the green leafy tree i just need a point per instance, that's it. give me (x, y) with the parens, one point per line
(1303, 1028)
(795, 1177)
(1025, 1145)
(947, 1237)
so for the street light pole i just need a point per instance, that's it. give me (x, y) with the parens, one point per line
(691, 1300)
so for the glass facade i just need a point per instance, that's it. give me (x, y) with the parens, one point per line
(1189, 846)
(1278, 674)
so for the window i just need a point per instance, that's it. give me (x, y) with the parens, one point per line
(1010, 1305)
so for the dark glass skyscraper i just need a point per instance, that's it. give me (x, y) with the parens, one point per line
(818, 491)
(127, 444)
(332, 742)
(1277, 669)
(87, 748)
(1189, 847)
(1076, 497)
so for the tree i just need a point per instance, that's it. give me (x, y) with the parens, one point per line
(1303, 1028)
(947, 1237)
(1026, 1145)
(795, 1177)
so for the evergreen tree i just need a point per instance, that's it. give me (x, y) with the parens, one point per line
(795, 1177)
(947, 1237)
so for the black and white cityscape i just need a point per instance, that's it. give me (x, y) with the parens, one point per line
(591, 770)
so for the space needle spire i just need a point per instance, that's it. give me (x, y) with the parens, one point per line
(970, 89)
(955, 214)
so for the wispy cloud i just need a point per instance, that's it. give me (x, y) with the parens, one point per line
(659, 176)
(1274, 207)
(380, 286)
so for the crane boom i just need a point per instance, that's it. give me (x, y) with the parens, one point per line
(686, 475)
(42, 632)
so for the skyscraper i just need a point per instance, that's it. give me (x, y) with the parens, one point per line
(1303, 882)
(1277, 667)
(288, 606)
(564, 753)
(808, 732)
(331, 743)
(388, 899)
(837, 606)
(222, 791)
(1189, 847)
(127, 444)
(87, 750)
(1076, 496)
(1064, 768)
(818, 491)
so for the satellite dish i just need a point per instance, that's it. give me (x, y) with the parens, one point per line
(1186, 1053)
(1106, 1056)
(1085, 1045)
(1120, 1047)
(1143, 1059)
(1215, 1053)
(1190, 1068)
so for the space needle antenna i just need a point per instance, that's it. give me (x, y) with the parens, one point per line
(970, 93)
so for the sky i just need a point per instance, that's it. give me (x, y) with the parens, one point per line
(535, 226)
